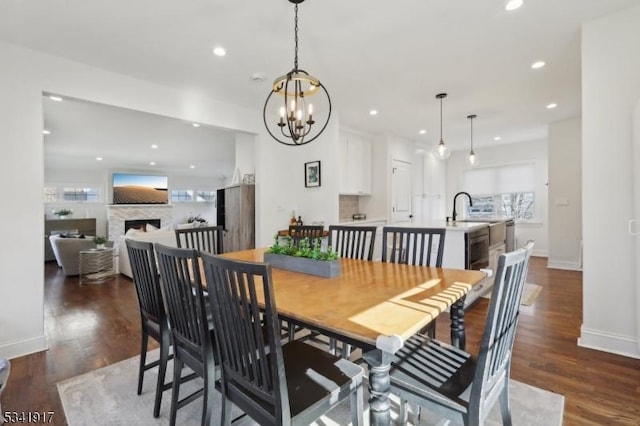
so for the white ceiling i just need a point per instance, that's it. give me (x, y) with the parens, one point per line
(391, 56)
(82, 131)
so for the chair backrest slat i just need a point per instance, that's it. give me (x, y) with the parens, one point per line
(494, 357)
(413, 245)
(251, 362)
(354, 242)
(204, 239)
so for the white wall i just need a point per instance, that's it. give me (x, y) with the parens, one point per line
(534, 151)
(565, 195)
(610, 90)
(24, 75)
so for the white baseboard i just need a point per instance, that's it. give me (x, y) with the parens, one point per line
(539, 253)
(559, 264)
(607, 342)
(23, 347)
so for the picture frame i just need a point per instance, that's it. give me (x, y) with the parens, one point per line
(312, 174)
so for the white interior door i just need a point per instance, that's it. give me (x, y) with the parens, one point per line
(400, 192)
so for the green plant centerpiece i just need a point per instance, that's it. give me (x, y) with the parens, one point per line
(63, 213)
(99, 241)
(304, 257)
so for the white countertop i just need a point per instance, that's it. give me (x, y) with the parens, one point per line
(363, 221)
(451, 226)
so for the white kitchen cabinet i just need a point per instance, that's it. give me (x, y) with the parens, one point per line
(355, 164)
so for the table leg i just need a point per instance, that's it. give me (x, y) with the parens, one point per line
(379, 363)
(458, 338)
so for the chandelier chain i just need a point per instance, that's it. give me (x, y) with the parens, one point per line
(295, 61)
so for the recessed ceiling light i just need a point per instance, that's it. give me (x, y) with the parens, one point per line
(99, 158)
(552, 106)
(513, 5)
(538, 64)
(195, 124)
(373, 112)
(46, 132)
(219, 51)
(497, 138)
(154, 146)
(423, 131)
(55, 98)
(192, 166)
(152, 163)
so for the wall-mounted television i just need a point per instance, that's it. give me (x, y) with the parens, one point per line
(139, 189)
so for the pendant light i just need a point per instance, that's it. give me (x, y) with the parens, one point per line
(441, 152)
(473, 158)
(299, 121)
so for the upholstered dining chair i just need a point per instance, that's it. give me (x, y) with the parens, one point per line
(192, 337)
(153, 317)
(205, 238)
(414, 246)
(454, 383)
(275, 384)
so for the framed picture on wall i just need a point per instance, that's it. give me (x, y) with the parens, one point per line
(312, 174)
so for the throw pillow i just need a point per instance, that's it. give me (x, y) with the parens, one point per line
(151, 228)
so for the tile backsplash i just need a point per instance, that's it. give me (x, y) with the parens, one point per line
(349, 205)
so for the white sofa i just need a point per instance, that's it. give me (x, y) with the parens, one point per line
(162, 236)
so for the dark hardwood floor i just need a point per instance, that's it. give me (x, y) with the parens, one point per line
(88, 327)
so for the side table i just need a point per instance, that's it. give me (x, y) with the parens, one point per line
(97, 265)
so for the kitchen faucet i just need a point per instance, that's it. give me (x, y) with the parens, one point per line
(453, 217)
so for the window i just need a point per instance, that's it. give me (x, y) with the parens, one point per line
(181, 195)
(518, 205)
(60, 193)
(206, 196)
(91, 195)
(191, 196)
(502, 191)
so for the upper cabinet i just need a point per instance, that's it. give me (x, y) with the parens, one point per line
(355, 164)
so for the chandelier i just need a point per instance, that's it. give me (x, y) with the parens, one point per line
(441, 151)
(296, 124)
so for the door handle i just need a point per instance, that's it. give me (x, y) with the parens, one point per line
(633, 228)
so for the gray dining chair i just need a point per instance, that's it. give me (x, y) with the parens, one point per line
(153, 317)
(192, 336)
(414, 246)
(299, 233)
(205, 239)
(275, 384)
(453, 383)
(352, 242)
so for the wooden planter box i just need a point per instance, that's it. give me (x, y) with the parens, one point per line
(321, 268)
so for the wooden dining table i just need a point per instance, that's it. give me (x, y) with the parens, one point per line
(374, 306)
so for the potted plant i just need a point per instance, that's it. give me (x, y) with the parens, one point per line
(63, 213)
(99, 241)
(306, 258)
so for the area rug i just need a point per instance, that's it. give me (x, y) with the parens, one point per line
(108, 397)
(529, 294)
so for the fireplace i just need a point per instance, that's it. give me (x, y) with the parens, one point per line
(141, 224)
(139, 214)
